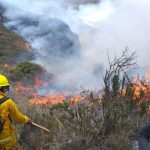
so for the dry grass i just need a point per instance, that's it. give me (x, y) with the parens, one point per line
(90, 125)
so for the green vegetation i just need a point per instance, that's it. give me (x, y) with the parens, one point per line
(14, 58)
(11, 47)
(24, 72)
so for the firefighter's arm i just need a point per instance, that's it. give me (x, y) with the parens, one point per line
(15, 113)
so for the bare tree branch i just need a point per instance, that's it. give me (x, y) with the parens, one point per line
(117, 66)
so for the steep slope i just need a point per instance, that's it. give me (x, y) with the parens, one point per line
(13, 49)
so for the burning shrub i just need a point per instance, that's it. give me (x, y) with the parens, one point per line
(88, 125)
(24, 72)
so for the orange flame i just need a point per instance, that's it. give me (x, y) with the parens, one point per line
(38, 81)
(75, 99)
(49, 100)
(138, 87)
(6, 65)
(21, 89)
(27, 46)
(147, 83)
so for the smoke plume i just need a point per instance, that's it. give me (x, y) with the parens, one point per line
(72, 38)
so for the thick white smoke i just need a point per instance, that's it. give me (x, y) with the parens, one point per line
(108, 25)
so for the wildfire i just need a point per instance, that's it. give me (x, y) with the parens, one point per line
(20, 89)
(38, 81)
(140, 88)
(27, 46)
(47, 100)
(54, 99)
(6, 66)
(50, 99)
(147, 83)
(75, 99)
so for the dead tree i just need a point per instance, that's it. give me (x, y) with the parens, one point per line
(116, 66)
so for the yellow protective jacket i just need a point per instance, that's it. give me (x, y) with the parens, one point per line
(9, 108)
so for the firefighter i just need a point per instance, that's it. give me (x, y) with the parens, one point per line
(8, 112)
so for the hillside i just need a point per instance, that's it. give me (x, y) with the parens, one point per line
(13, 49)
(92, 123)
(15, 57)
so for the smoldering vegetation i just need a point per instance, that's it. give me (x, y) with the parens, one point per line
(94, 122)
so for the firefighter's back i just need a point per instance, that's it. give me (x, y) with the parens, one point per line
(7, 135)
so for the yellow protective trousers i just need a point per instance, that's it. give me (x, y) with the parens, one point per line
(9, 143)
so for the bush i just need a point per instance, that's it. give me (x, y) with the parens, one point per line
(24, 72)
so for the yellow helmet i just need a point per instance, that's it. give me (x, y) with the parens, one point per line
(3, 81)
